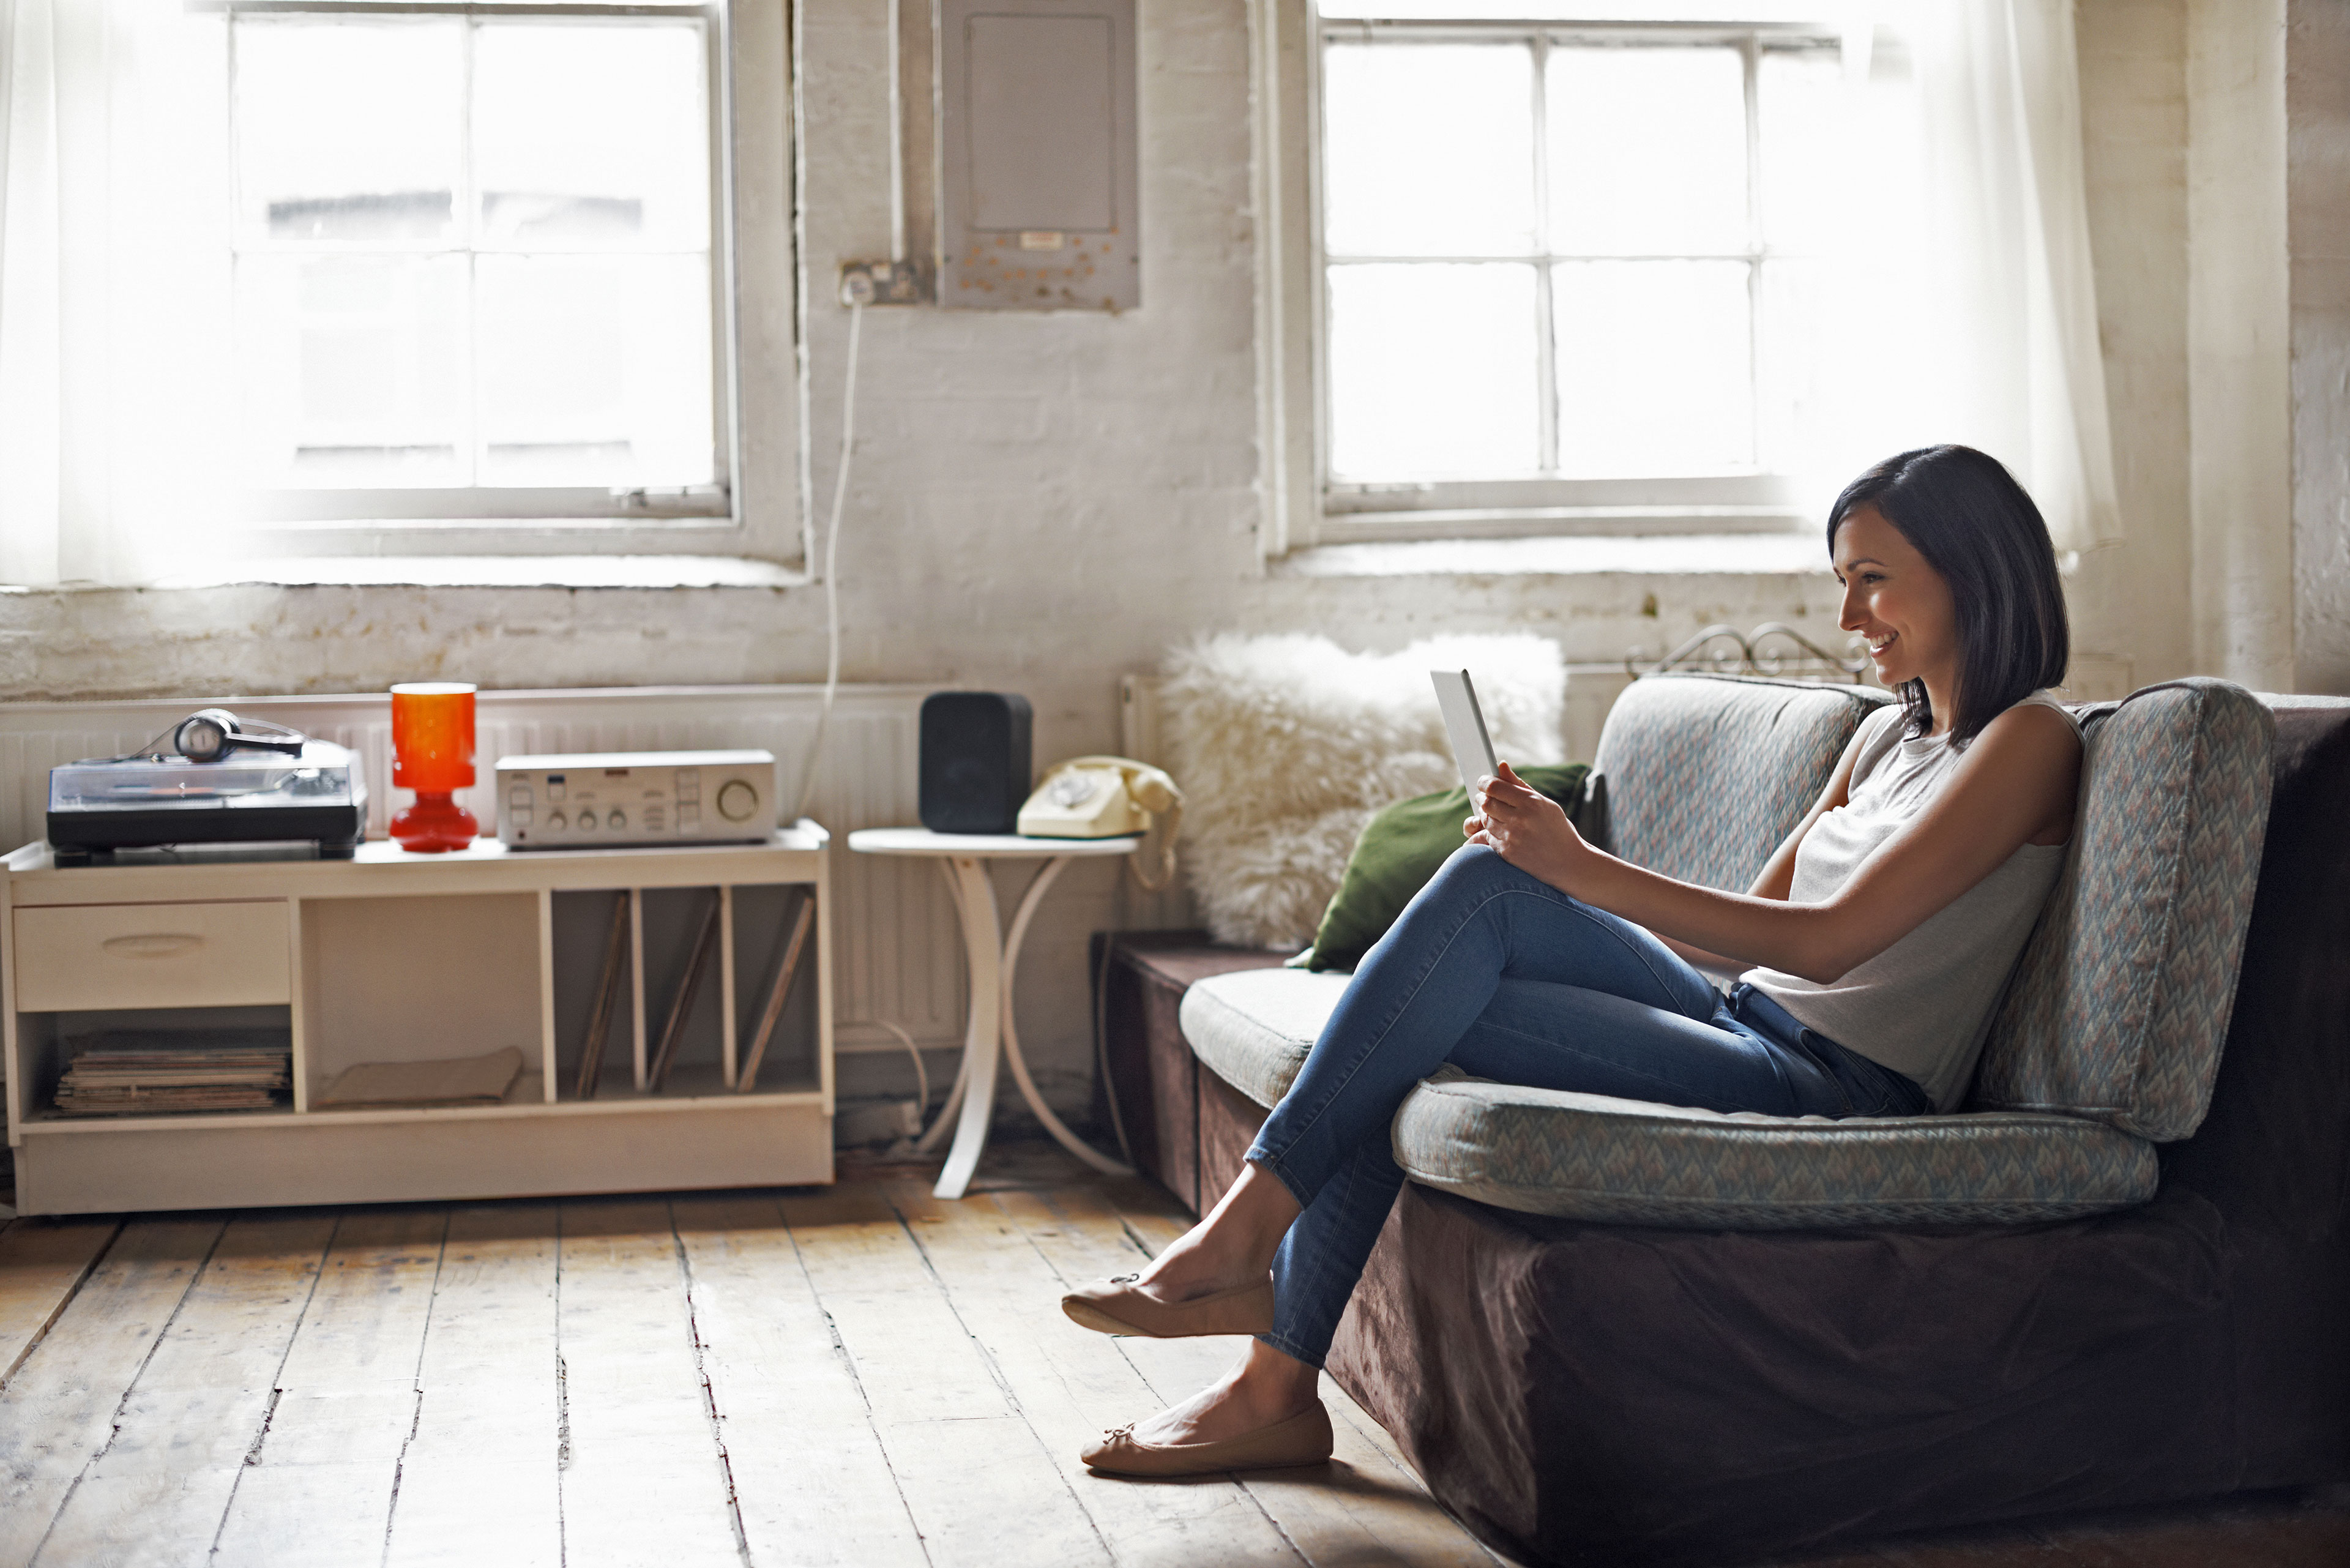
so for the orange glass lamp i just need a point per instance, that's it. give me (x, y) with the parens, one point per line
(432, 753)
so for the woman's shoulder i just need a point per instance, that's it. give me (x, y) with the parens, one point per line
(2040, 713)
(2032, 744)
(2046, 696)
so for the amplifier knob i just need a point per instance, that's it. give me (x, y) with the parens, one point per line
(737, 800)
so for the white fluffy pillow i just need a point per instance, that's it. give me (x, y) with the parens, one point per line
(1286, 745)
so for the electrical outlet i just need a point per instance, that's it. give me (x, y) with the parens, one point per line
(882, 283)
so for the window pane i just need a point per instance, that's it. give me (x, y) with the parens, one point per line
(1647, 151)
(594, 370)
(1804, 136)
(591, 136)
(353, 370)
(1655, 372)
(349, 131)
(1427, 149)
(1433, 370)
(1797, 350)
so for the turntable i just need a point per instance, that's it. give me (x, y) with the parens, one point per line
(220, 783)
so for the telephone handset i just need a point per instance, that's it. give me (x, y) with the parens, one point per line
(1108, 797)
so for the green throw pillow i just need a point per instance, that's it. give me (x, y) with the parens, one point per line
(1399, 850)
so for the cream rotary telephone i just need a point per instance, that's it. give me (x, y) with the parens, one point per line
(1108, 797)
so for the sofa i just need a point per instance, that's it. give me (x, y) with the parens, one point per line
(1609, 1331)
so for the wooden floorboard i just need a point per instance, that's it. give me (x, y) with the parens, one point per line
(812, 1484)
(156, 1493)
(42, 1264)
(57, 1412)
(318, 1485)
(644, 1479)
(859, 1374)
(1070, 1385)
(478, 1478)
(974, 1473)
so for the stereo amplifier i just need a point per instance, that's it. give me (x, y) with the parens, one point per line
(636, 797)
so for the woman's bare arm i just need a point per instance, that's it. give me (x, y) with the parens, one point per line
(2017, 777)
(1778, 875)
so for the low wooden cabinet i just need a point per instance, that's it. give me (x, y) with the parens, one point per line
(393, 957)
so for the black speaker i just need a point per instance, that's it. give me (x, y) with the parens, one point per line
(976, 761)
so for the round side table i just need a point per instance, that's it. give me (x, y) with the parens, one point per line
(994, 958)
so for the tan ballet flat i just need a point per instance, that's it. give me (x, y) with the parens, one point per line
(1302, 1439)
(1115, 1307)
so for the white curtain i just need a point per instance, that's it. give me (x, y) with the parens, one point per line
(1966, 302)
(2008, 226)
(115, 392)
(29, 358)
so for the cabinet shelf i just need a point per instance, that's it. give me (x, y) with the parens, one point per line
(625, 1103)
(392, 956)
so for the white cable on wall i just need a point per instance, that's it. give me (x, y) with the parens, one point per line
(921, 1073)
(832, 559)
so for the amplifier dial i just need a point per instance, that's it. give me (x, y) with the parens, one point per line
(737, 800)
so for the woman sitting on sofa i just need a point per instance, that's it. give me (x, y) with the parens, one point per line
(1878, 939)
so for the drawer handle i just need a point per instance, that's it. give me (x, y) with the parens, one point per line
(154, 945)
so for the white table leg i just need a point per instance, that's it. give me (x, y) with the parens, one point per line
(982, 937)
(1011, 1033)
(935, 1133)
(992, 1035)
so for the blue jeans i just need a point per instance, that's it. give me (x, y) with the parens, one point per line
(1509, 979)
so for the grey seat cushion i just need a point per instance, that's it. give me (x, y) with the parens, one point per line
(1254, 1028)
(1589, 1156)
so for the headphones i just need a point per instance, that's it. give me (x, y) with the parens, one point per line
(211, 734)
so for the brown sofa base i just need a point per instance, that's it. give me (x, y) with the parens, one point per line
(1144, 975)
(1618, 1395)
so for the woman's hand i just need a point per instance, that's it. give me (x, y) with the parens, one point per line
(1528, 829)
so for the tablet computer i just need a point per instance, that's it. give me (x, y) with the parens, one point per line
(1473, 748)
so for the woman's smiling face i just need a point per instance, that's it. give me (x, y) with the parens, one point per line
(1901, 605)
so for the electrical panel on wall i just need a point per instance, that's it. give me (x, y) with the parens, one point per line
(1037, 193)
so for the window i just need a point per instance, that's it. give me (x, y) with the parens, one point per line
(1566, 276)
(343, 278)
(473, 264)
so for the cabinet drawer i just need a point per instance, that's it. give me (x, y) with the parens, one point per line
(150, 955)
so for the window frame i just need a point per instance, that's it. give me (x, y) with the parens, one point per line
(1307, 506)
(755, 508)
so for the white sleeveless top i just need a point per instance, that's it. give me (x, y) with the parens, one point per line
(1923, 1006)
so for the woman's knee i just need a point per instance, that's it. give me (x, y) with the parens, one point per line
(1475, 869)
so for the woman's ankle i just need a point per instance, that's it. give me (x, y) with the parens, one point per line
(1274, 1384)
(1234, 1245)
(1194, 1266)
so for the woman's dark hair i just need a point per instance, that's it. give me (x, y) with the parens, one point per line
(1975, 525)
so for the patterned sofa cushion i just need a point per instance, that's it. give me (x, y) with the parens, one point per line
(1253, 1028)
(1705, 775)
(1587, 1156)
(2121, 1000)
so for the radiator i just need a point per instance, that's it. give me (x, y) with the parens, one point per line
(897, 953)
